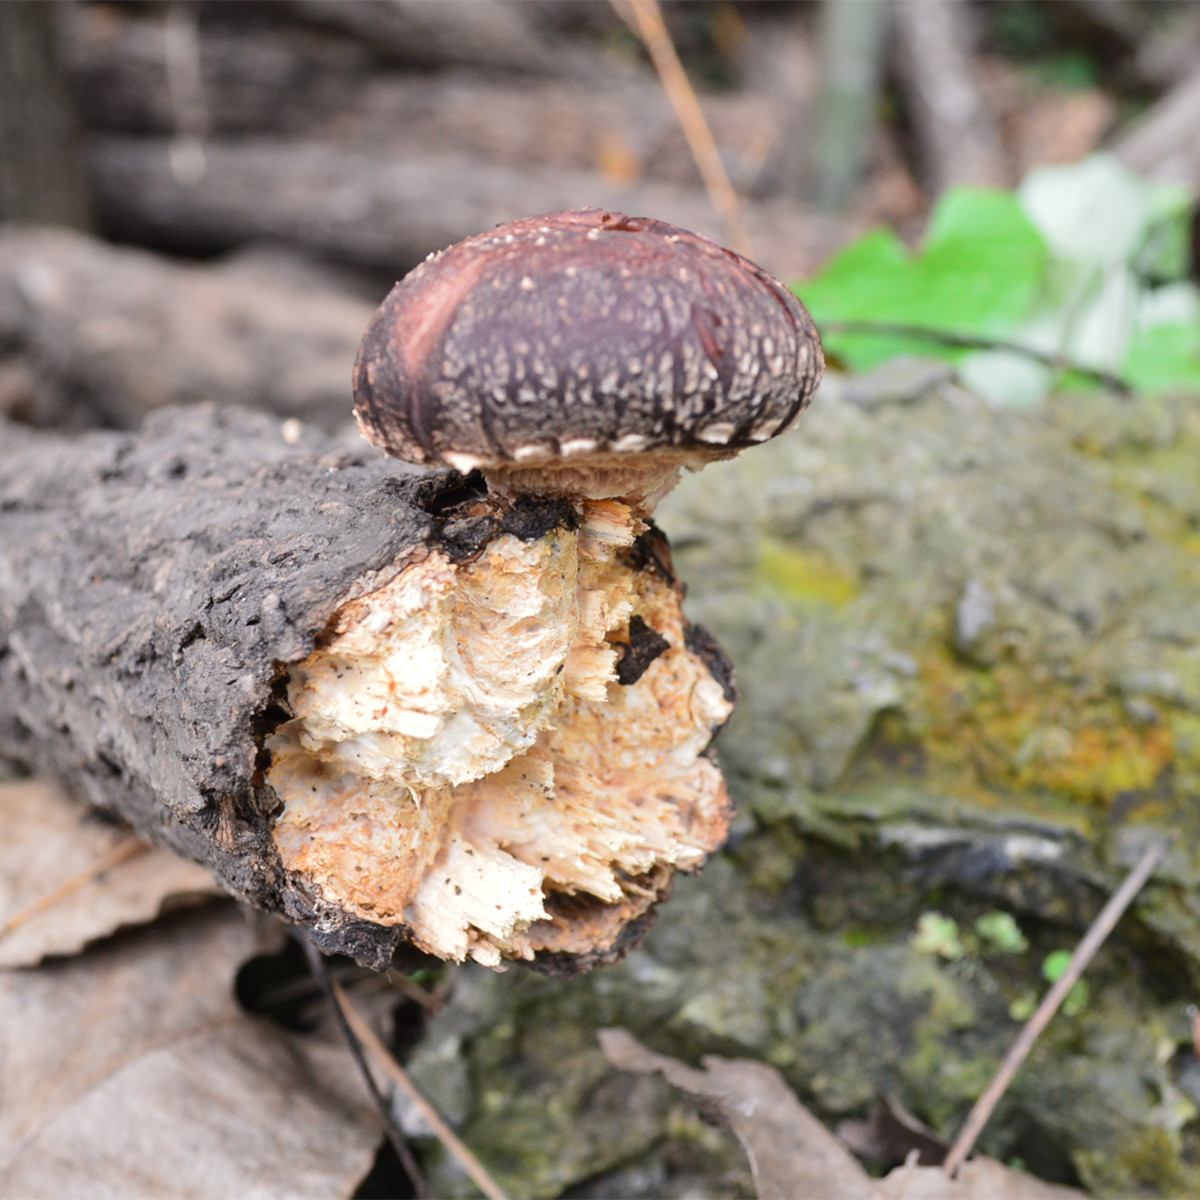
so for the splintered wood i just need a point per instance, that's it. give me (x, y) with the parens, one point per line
(468, 758)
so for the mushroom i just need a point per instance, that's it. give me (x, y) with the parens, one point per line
(584, 354)
(503, 749)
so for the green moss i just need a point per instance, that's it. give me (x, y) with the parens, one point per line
(1143, 1163)
(802, 576)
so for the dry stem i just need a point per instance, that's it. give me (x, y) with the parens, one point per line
(399, 1077)
(1100, 928)
(646, 20)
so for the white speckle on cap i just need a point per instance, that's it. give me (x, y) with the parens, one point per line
(526, 453)
(764, 430)
(526, 284)
(630, 443)
(576, 446)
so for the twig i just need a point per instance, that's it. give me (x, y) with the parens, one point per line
(124, 850)
(396, 1073)
(1100, 928)
(647, 22)
(337, 998)
(968, 341)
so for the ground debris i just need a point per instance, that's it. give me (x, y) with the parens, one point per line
(793, 1154)
(131, 1071)
(68, 878)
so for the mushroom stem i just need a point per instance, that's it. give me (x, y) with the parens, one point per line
(637, 480)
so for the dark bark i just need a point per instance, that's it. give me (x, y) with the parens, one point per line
(152, 587)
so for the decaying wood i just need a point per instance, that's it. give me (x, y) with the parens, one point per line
(958, 137)
(180, 609)
(109, 333)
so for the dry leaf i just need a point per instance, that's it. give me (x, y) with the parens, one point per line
(979, 1179)
(68, 879)
(792, 1154)
(130, 1071)
(891, 1133)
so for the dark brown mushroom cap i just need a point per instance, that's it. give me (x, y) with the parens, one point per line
(579, 334)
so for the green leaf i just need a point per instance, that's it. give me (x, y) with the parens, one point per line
(1165, 357)
(938, 935)
(979, 272)
(1002, 932)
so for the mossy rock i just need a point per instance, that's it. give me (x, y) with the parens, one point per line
(968, 643)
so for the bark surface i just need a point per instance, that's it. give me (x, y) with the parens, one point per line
(150, 589)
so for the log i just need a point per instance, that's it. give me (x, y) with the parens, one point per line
(498, 35)
(299, 82)
(373, 700)
(254, 78)
(110, 333)
(384, 212)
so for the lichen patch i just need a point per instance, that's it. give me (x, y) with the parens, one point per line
(462, 760)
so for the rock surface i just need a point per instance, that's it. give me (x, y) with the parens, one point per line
(968, 643)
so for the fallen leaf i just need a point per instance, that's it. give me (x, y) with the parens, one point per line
(979, 1179)
(68, 878)
(130, 1071)
(891, 1133)
(793, 1155)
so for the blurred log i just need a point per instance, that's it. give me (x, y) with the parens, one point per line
(301, 82)
(497, 35)
(392, 213)
(273, 78)
(41, 169)
(111, 333)
(958, 138)
(1164, 144)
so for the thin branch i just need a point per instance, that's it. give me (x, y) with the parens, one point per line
(397, 1074)
(1100, 928)
(337, 999)
(968, 341)
(646, 20)
(123, 851)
